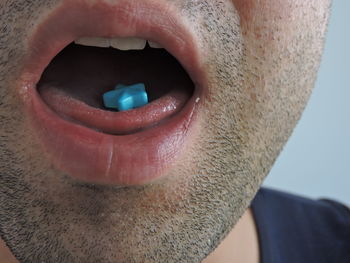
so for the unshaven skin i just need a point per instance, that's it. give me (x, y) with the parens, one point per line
(261, 58)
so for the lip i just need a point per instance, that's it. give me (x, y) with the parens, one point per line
(90, 155)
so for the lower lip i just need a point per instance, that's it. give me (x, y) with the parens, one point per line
(97, 157)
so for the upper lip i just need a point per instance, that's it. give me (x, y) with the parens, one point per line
(155, 21)
(97, 157)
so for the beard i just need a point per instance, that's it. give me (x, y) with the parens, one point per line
(246, 118)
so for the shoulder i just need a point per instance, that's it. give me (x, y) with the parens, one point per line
(291, 203)
(313, 229)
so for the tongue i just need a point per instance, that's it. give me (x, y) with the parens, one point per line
(117, 123)
(73, 84)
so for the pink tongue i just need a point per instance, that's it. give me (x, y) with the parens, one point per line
(117, 123)
(75, 80)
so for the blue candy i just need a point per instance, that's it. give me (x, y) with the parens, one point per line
(125, 97)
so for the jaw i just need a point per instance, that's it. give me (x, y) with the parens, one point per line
(251, 107)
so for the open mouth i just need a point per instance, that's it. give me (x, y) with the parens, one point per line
(74, 82)
(73, 60)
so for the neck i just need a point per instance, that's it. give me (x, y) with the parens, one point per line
(5, 254)
(241, 244)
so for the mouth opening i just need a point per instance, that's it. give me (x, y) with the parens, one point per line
(73, 83)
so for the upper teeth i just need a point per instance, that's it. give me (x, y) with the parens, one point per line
(130, 43)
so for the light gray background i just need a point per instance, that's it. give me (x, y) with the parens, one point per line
(316, 160)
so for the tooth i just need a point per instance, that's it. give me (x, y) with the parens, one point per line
(93, 41)
(128, 43)
(154, 44)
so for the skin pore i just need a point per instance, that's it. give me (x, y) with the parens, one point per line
(261, 58)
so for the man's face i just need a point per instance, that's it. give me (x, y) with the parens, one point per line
(164, 198)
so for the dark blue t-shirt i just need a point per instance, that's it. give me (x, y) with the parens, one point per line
(294, 229)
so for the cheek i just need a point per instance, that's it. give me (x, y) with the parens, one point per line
(257, 13)
(251, 9)
(269, 26)
(245, 8)
(283, 42)
(266, 24)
